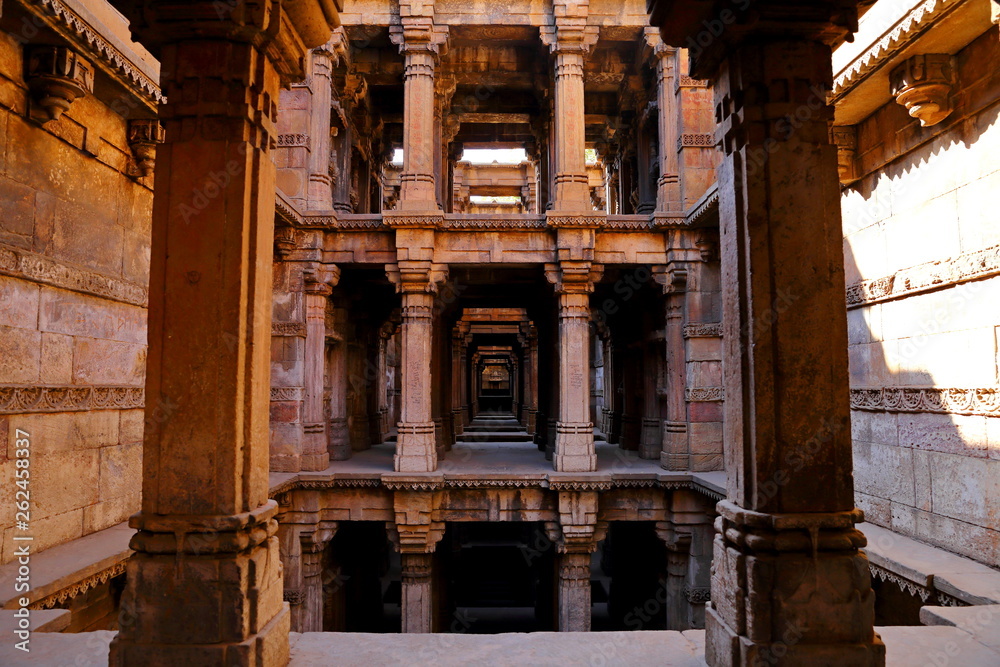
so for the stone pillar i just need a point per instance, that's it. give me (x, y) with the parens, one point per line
(416, 443)
(789, 584)
(678, 542)
(204, 584)
(421, 42)
(319, 281)
(415, 535)
(457, 371)
(574, 442)
(675, 453)
(651, 440)
(320, 182)
(668, 189)
(576, 537)
(302, 549)
(338, 435)
(466, 413)
(569, 40)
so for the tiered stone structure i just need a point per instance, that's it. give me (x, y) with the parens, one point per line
(606, 383)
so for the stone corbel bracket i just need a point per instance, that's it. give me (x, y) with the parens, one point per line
(143, 136)
(923, 84)
(56, 76)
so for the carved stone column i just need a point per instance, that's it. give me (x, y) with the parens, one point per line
(338, 433)
(789, 584)
(574, 441)
(319, 282)
(576, 537)
(205, 583)
(415, 534)
(457, 371)
(416, 444)
(320, 183)
(421, 42)
(569, 40)
(302, 547)
(668, 193)
(676, 453)
(678, 541)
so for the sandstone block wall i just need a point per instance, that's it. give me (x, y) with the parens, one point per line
(74, 265)
(922, 250)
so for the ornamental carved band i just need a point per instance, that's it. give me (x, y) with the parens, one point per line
(20, 399)
(966, 401)
(706, 330)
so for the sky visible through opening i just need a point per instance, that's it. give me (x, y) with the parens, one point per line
(480, 156)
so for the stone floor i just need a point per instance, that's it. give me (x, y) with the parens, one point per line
(906, 646)
(493, 460)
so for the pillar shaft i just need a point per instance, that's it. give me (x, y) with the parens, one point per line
(415, 447)
(205, 583)
(315, 455)
(675, 454)
(789, 514)
(574, 592)
(571, 181)
(320, 183)
(668, 194)
(417, 607)
(338, 434)
(574, 446)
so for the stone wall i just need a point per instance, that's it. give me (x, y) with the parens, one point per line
(922, 251)
(74, 265)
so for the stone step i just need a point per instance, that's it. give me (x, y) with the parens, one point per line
(487, 436)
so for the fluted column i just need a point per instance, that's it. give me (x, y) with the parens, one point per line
(204, 584)
(569, 40)
(789, 584)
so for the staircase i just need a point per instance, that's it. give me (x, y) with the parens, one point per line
(493, 428)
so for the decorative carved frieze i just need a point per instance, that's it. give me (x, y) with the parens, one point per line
(294, 596)
(703, 330)
(38, 268)
(905, 585)
(923, 85)
(288, 329)
(963, 401)
(57, 75)
(685, 81)
(497, 223)
(704, 394)
(80, 587)
(699, 140)
(926, 277)
(576, 221)
(286, 393)
(16, 399)
(143, 136)
(893, 42)
(624, 223)
(698, 594)
(293, 140)
(66, 22)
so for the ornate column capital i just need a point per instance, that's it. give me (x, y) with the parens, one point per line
(319, 278)
(416, 276)
(923, 84)
(574, 277)
(578, 530)
(672, 277)
(569, 32)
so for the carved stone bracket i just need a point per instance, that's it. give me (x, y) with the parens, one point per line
(57, 76)
(845, 138)
(143, 136)
(923, 85)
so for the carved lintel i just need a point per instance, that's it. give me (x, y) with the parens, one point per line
(923, 85)
(143, 136)
(56, 76)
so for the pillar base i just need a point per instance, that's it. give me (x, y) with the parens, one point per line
(416, 448)
(204, 590)
(809, 589)
(574, 447)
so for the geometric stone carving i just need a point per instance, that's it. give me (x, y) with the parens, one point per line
(297, 329)
(703, 330)
(923, 85)
(15, 399)
(78, 588)
(143, 135)
(965, 401)
(56, 76)
(704, 394)
(696, 140)
(292, 140)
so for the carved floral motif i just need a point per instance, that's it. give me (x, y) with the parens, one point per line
(17, 399)
(966, 401)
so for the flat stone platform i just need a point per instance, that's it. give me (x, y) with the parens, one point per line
(518, 462)
(906, 646)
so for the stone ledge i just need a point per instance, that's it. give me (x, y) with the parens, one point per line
(982, 621)
(930, 568)
(41, 620)
(69, 566)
